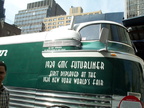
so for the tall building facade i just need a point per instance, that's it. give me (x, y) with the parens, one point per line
(9, 30)
(64, 20)
(75, 10)
(31, 19)
(134, 21)
(2, 9)
(1, 16)
(5, 28)
(134, 8)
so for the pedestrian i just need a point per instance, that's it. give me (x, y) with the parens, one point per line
(4, 93)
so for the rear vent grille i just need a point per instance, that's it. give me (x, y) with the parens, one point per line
(35, 98)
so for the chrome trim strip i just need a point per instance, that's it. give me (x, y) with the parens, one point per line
(91, 53)
(60, 43)
(109, 42)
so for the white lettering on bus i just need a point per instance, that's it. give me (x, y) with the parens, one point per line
(55, 79)
(69, 73)
(62, 64)
(92, 74)
(3, 52)
(46, 79)
(54, 73)
(87, 65)
(81, 81)
(98, 82)
(66, 80)
(50, 64)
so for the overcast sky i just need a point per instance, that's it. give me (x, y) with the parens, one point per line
(106, 6)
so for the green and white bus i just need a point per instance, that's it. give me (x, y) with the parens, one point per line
(87, 65)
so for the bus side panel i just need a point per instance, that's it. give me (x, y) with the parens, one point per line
(98, 75)
(77, 74)
(23, 62)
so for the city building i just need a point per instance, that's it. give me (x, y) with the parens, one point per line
(31, 19)
(5, 28)
(134, 21)
(114, 16)
(2, 9)
(134, 8)
(136, 31)
(75, 10)
(9, 30)
(64, 20)
(1, 15)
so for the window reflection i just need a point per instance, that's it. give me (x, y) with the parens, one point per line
(90, 32)
(117, 33)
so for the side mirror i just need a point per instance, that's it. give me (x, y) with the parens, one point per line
(104, 36)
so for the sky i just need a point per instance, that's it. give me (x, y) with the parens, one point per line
(106, 6)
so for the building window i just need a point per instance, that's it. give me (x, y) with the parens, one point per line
(49, 23)
(61, 22)
(50, 19)
(61, 18)
(54, 19)
(54, 26)
(49, 27)
(54, 23)
(68, 21)
(69, 17)
(60, 26)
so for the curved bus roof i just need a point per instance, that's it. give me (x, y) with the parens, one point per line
(24, 38)
(39, 37)
(80, 25)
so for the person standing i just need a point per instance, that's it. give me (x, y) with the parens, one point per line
(4, 93)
